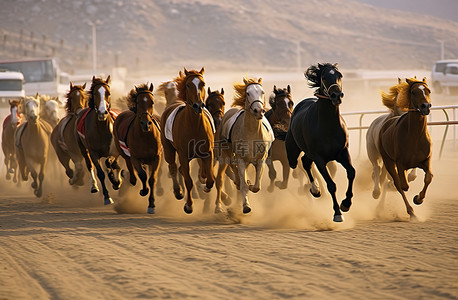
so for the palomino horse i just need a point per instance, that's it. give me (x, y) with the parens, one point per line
(32, 143)
(243, 138)
(188, 129)
(138, 139)
(404, 141)
(317, 129)
(168, 90)
(95, 137)
(279, 116)
(63, 136)
(10, 125)
(48, 109)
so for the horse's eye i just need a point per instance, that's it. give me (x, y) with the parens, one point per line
(248, 94)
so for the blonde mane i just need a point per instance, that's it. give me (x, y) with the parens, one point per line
(398, 96)
(240, 91)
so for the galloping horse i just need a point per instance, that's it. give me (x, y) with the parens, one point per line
(168, 90)
(95, 137)
(63, 136)
(32, 143)
(317, 129)
(216, 105)
(48, 109)
(188, 129)
(404, 141)
(10, 125)
(279, 115)
(243, 138)
(137, 138)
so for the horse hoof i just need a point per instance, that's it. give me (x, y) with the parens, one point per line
(375, 194)
(108, 201)
(218, 209)
(34, 185)
(417, 200)
(144, 192)
(94, 190)
(178, 195)
(344, 208)
(254, 189)
(246, 209)
(270, 188)
(316, 195)
(413, 218)
(280, 185)
(151, 210)
(8, 176)
(338, 218)
(187, 209)
(11, 170)
(133, 181)
(159, 191)
(37, 193)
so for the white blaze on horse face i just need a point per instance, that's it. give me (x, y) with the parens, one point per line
(14, 114)
(423, 89)
(77, 93)
(102, 105)
(31, 108)
(255, 93)
(196, 82)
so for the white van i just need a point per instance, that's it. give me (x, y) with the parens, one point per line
(445, 76)
(11, 86)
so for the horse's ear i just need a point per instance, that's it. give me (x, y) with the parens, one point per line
(424, 79)
(245, 81)
(288, 88)
(71, 85)
(180, 74)
(222, 91)
(260, 80)
(93, 77)
(108, 79)
(9, 101)
(151, 87)
(84, 86)
(209, 91)
(136, 88)
(275, 89)
(202, 71)
(409, 81)
(186, 72)
(335, 65)
(399, 80)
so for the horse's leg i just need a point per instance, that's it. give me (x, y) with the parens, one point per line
(184, 170)
(169, 156)
(141, 174)
(219, 184)
(292, 150)
(159, 189)
(64, 159)
(272, 175)
(284, 184)
(321, 165)
(130, 168)
(401, 170)
(241, 167)
(101, 175)
(41, 176)
(87, 160)
(257, 182)
(315, 187)
(418, 199)
(152, 181)
(391, 168)
(114, 171)
(345, 160)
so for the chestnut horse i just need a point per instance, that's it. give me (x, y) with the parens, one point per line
(318, 130)
(404, 141)
(244, 138)
(10, 125)
(190, 133)
(138, 139)
(32, 143)
(63, 136)
(95, 136)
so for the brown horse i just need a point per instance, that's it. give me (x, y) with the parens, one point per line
(10, 125)
(279, 116)
(216, 105)
(32, 143)
(190, 133)
(138, 139)
(63, 136)
(404, 141)
(95, 136)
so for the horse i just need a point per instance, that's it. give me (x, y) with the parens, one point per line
(279, 115)
(10, 124)
(318, 130)
(63, 137)
(31, 143)
(168, 90)
(243, 138)
(95, 137)
(49, 109)
(372, 136)
(188, 129)
(404, 141)
(137, 136)
(216, 105)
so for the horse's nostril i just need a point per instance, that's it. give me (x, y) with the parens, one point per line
(149, 122)
(341, 95)
(255, 110)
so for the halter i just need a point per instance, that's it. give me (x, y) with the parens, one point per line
(325, 88)
(251, 104)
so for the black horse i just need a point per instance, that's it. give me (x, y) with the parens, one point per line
(318, 130)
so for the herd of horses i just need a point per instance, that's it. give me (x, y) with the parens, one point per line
(193, 126)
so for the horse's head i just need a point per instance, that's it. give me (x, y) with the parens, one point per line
(254, 102)
(328, 81)
(76, 98)
(31, 108)
(14, 109)
(191, 88)
(144, 106)
(419, 96)
(216, 105)
(282, 105)
(48, 109)
(100, 97)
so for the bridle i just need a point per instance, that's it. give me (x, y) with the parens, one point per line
(415, 108)
(107, 87)
(251, 104)
(149, 93)
(325, 88)
(192, 76)
(78, 89)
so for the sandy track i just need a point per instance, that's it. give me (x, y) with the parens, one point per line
(76, 249)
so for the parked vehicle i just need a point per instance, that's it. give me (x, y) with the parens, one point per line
(11, 87)
(445, 76)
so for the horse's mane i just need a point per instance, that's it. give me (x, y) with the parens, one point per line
(68, 105)
(181, 82)
(313, 74)
(131, 99)
(95, 82)
(398, 96)
(280, 92)
(240, 91)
